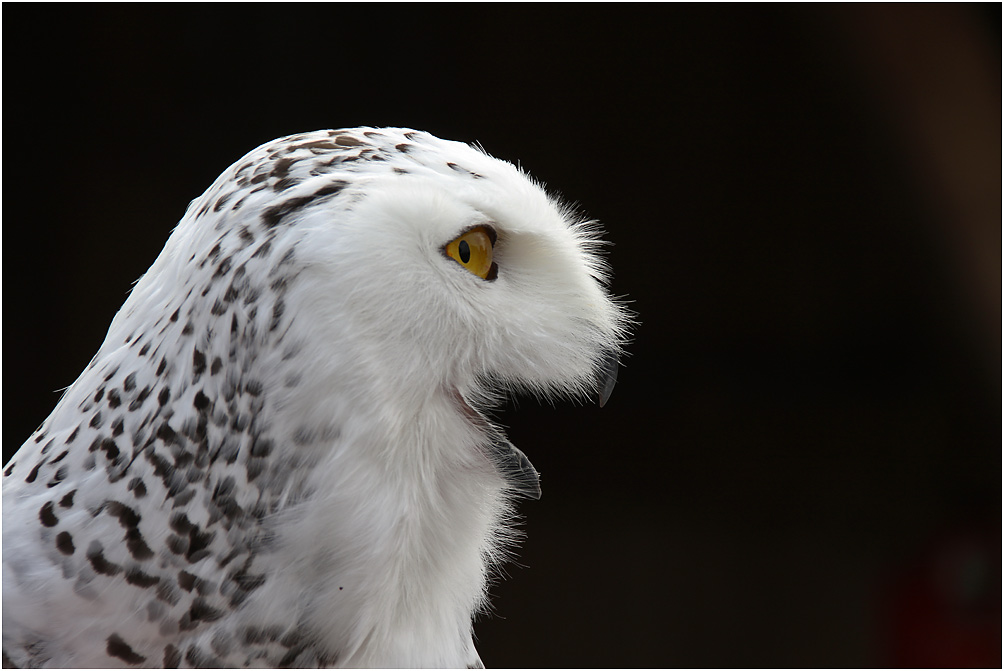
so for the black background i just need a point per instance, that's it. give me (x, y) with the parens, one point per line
(801, 462)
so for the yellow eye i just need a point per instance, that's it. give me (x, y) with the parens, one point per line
(473, 250)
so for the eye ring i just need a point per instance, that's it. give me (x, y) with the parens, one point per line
(473, 249)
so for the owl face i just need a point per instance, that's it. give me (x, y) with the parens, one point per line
(463, 275)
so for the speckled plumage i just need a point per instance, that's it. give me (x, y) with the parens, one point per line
(276, 457)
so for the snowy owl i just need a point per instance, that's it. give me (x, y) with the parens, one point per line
(280, 455)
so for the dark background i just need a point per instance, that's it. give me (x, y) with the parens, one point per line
(801, 463)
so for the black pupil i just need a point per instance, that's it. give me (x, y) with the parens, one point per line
(465, 251)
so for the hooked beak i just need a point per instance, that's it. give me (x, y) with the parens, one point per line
(607, 377)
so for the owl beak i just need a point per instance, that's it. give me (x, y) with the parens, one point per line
(607, 377)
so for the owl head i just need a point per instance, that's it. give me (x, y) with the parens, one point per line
(396, 256)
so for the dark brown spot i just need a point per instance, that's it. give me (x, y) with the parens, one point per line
(281, 167)
(64, 543)
(172, 657)
(111, 450)
(289, 658)
(277, 311)
(119, 648)
(198, 362)
(275, 214)
(186, 580)
(96, 555)
(137, 487)
(247, 581)
(291, 639)
(135, 576)
(224, 268)
(327, 144)
(137, 546)
(261, 447)
(284, 184)
(127, 517)
(140, 399)
(34, 472)
(221, 201)
(167, 434)
(58, 477)
(202, 611)
(198, 543)
(47, 516)
(201, 401)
